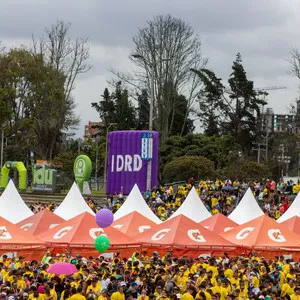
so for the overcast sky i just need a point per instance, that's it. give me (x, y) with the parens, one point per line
(263, 31)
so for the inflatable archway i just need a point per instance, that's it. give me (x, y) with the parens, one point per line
(14, 165)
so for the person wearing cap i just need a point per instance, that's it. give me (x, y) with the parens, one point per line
(119, 295)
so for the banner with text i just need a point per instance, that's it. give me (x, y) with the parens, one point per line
(129, 153)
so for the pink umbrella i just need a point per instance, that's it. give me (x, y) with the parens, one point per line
(62, 268)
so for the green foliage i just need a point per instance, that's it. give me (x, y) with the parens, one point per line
(236, 112)
(184, 167)
(246, 170)
(220, 150)
(116, 108)
(143, 111)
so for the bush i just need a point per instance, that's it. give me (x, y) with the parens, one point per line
(184, 167)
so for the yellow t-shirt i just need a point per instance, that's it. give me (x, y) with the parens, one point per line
(77, 297)
(117, 296)
(186, 296)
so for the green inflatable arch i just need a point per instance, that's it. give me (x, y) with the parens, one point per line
(14, 165)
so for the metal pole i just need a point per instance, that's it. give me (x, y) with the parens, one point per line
(96, 167)
(105, 163)
(2, 148)
(258, 154)
(149, 165)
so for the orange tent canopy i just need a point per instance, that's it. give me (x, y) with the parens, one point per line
(218, 223)
(181, 232)
(12, 237)
(81, 231)
(263, 232)
(293, 224)
(133, 224)
(40, 222)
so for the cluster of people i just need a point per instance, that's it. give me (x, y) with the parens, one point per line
(161, 278)
(218, 196)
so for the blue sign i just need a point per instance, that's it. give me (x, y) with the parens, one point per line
(146, 146)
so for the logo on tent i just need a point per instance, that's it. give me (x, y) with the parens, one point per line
(244, 233)
(62, 232)
(143, 228)
(4, 234)
(25, 227)
(95, 232)
(276, 236)
(195, 235)
(160, 234)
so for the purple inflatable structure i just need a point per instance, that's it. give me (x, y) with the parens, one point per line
(128, 155)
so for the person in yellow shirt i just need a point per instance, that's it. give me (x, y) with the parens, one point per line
(94, 288)
(296, 294)
(78, 295)
(227, 271)
(119, 295)
(288, 288)
(143, 296)
(188, 295)
(163, 296)
(220, 289)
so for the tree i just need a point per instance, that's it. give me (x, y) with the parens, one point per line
(63, 53)
(220, 150)
(184, 167)
(236, 108)
(165, 50)
(117, 108)
(143, 110)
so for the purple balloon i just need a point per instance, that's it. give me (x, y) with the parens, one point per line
(104, 218)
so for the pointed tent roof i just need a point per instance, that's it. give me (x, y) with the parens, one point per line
(293, 224)
(218, 223)
(247, 209)
(293, 210)
(181, 232)
(136, 202)
(133, 224)
(40, 222)
(11, 236)
(81, 231)
(193, 208)
(262, 232)
(73, 204)
(12, 206)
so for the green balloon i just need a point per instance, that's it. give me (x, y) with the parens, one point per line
(101, 243)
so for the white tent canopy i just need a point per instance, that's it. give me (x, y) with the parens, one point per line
(73, 204)
(247, 209)
(136, 202)
(293, 210)
(192, 208)
(12, 206)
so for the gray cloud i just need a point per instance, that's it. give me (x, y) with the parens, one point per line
(263, 31)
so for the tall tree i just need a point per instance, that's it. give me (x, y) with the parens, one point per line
(143, 110)
(116, 107)
(237, 107)
(165, 50)
(68, 56)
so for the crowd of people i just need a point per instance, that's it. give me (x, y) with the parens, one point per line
(159, 278)
(218, 196)
(149, 276)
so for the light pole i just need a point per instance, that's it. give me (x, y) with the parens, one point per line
(2, 147)
(106, 149)
(152, 92)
